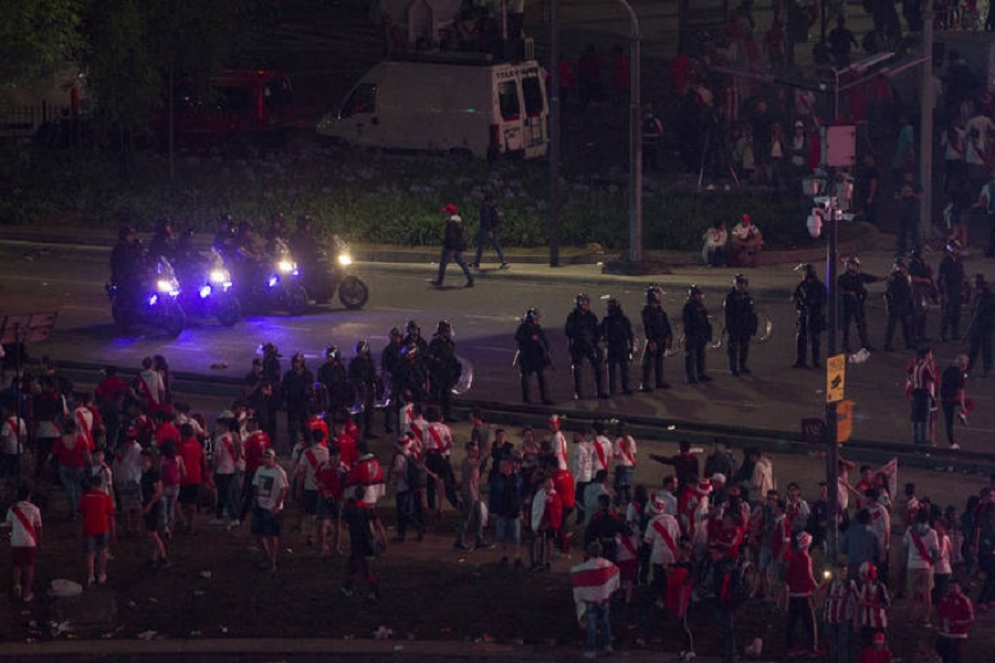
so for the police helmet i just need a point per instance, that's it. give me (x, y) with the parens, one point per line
(952, 246)
(853, 261)
(298, 356)
(898, 265)
(276, 218)
(362, 348)
(162, 224)
(740, 279)
(124, 231)
(581, 298)
(332, 351)
(531, 315)
(694, 290)
(808, 271)
(653, 294)
(395, 332)
(444, 328)
(613, 304)
(412, 327)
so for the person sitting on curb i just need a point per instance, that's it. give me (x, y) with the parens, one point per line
(747, 242)
(716, 241)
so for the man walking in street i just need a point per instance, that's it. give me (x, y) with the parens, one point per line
(454, 243)
(490, 221)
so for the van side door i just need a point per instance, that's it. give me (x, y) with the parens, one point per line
(534, 125)
(358, 117)
(510, 114)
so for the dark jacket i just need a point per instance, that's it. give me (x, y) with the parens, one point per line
(533, 347)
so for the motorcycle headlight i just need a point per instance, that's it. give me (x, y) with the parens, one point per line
(345, 259)
(168, 286)
(220, 276)
(285, 266)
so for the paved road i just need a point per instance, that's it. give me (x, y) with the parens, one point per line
(776, 397)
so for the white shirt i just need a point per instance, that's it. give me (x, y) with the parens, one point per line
(270, 482)
(660, 552)
(584, 461)
(559, 444)
(225, 454)
(19, 535)
(603, 450)
(9, 437)
(914, 560)
(943, 561)
(128, 464)
(625, 452)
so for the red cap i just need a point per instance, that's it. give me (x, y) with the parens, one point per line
(746, 217)
(450, 209)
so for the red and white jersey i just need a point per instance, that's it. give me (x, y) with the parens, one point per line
(881, 525)
(594, 581)
(365, 480)
(13, 432)
(625, 452)
(841, 601)
(559, 445)
(584, 461)
(24, 520)
(407, 416)
(921, 374)
(419, 429)
(84, 424)
(311, 461)
(439, 438)
(627, 548)
(873, 602)
(663, 534)
(603, 453)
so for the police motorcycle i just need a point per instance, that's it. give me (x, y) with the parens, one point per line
(207, 288)
(153, 302)
(278, 284)
(327, 275)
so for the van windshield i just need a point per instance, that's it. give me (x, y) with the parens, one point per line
(508, 98)
(363, 99)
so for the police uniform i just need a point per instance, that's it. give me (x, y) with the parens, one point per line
(854, 293)
(810, 302)
(982, 329)
(583, 335)
(533, 355)
(334, 376)
(950, 283)
(390, 359)
(362, 375)
(616, 329)
(898, 302)
(741, 325)
(443, 368)
(697, 335)
(923, 292)
(659, 336)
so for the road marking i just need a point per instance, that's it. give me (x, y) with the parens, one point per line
(493, 349)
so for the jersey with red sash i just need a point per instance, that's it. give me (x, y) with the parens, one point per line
(603, 452)
(84, 425)
(663, 534)
(24, 518)
(625, 452)
(594, 581)
(440, 438)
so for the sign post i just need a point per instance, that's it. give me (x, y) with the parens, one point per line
(835, 389)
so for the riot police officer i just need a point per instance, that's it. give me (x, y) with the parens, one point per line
(413, 336)
(898, 302)
(853, 292)
(334, 377)
(923, 293)
(533, 355)
(444, 369)
(390, 361)
(617, 332)
(272, 376)
(741, 325)
(411, 376)
(950, 283)
(129, 269)
(298, 388)
(362, 376)
(224, 238)
(697, 335)
(304, 246)
(810, 302)
(659, 336)
(583, 337)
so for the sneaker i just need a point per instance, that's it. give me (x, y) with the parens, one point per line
(468, 284)
(91, 582)
(955, 446)
(372, 597)
(102, 579)
(504, 265)
(346, 591)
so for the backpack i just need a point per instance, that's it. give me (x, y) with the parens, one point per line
(416, 474)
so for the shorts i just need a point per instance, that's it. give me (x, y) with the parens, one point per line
(129, 495)
(95, 542)
(153, 519)
(627, 569)
(920, 581)
(189, 494)
(328, 508)
(265, 522)
(23, 556)
(310, 502)
(508, 530)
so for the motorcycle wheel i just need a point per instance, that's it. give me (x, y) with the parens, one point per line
(173, 319)
(353, 293)
(228, 309)
(295, 300)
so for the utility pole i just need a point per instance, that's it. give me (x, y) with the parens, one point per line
(635, 142)
(554, 134)
(926, 100)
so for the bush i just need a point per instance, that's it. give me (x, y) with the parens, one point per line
(365, 197)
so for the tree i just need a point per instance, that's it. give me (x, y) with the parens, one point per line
(38, 38)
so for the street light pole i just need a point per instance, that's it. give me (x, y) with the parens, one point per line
(635, 142)
(554, 134)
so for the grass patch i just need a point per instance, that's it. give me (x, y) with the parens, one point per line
(365, 197)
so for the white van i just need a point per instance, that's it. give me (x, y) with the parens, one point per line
(486, 110)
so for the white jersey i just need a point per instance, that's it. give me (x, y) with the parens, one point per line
(559, 444)
(604, 453)
(625, 452)
(12, 432)
(21, 535)
(584, 462)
